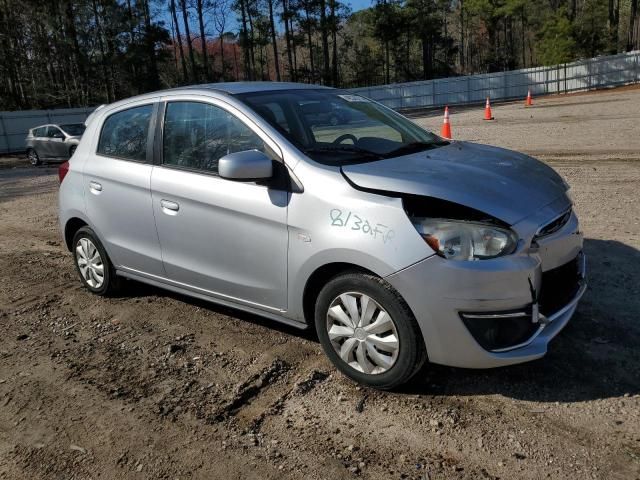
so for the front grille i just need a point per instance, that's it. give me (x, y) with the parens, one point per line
(554, 225)
(559, 286)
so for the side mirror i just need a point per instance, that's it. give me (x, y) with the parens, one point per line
(247, 165)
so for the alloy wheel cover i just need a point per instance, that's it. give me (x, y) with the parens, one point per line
(362, 333)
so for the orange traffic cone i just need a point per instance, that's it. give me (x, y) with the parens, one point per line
(487, 110)
(529, 102)
(446, 124)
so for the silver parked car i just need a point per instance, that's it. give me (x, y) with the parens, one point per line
(53, 142)
(396, 245)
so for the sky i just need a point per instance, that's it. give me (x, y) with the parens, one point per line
(358, 4)
(233, 24)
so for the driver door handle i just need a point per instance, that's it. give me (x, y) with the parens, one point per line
(169, 207)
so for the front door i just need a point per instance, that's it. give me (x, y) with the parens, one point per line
(52, 144)
(56, 146)
(219, 237)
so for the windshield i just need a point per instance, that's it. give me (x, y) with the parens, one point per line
(336, 127)
(73, 129)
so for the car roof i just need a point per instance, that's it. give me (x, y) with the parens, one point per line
(234, 88)
(57, 125)
(226, 88)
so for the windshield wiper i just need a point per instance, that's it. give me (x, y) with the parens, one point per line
(348, 149)
(414, 147)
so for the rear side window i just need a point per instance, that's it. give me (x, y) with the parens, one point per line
(40, 132)
(197, 135)
(124, 134)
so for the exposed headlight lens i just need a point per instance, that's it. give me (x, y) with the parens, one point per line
(458, 240)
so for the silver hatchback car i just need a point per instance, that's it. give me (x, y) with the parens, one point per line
(53, 142)
(397, 245)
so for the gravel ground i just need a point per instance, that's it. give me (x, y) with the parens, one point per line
(603, 125)
(156, 385)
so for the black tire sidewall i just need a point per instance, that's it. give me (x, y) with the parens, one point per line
(410, 355)
(109, 274)
(37, 162)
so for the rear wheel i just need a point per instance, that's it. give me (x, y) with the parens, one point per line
(368, 331)
(33, 157)
(94, 268)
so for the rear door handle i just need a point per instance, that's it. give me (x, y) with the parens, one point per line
(95, 187)
(169, 207)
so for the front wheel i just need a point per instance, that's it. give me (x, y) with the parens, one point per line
(93, 265)
(33, 157)
(368, 331)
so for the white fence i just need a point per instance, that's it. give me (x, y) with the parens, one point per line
(600, 72)
(14, 126)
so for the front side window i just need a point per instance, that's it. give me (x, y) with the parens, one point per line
(54, 132)
(124, 134)
(197, 135)
(336, 127)
(73, 129)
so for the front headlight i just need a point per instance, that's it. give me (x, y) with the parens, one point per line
(459, 240)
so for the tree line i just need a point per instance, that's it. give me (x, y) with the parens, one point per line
(69, 53)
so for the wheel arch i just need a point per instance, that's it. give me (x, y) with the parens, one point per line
(70, 228)
(320, 277)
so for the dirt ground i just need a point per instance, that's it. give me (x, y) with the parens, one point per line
(159, 386)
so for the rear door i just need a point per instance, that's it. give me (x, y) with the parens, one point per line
(117, 178)
(218, 236)
(39, 136)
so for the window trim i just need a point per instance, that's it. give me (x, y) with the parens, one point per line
(158, 158)
(154, 103)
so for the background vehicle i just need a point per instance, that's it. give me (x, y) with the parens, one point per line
(396, 244)
(53, 142)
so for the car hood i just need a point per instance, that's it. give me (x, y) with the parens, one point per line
(505, 184)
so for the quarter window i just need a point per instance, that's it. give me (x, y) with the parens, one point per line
(197, 135)
(124, 134)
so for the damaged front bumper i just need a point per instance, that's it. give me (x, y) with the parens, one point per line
(491, 313)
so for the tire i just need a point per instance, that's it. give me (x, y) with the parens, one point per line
(395, 322)
(84, 248)
(72, 150)
(33, 157)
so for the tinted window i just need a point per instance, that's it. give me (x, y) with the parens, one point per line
(40, 132)
(73, 129)
(197, 135)
(54, 132)
(124, 134)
